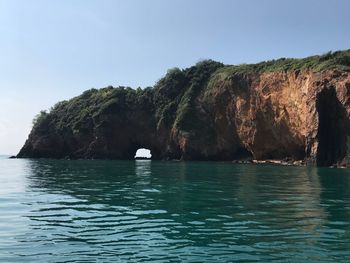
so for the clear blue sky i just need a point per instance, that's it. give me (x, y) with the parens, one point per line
(53, 50)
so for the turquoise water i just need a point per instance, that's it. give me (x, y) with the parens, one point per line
(139, 211)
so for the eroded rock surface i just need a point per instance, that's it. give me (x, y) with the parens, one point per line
(284, 109)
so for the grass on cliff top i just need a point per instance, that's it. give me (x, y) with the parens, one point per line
(173, 97)
(331, 60)
(339, 60)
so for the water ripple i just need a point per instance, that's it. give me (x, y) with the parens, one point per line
(120, 211)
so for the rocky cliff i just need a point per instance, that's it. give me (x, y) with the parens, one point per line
(295, 109)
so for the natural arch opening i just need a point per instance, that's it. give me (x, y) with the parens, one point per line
(331, 128)
(143, 154)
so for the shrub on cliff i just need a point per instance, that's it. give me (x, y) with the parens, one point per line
(199, 75)
(173, 99)
(39, 119)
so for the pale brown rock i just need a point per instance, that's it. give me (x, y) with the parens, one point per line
(297, 115)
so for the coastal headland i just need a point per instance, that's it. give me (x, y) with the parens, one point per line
(284, 109)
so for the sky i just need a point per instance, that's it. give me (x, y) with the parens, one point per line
(54, 50)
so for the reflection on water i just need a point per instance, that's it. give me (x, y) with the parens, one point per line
(108, 211)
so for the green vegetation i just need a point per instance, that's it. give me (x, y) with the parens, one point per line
(339, 60)
(175, 94)
(331, 60)
(172, 101)
(82, 113)
(200, 74)
(39, 119)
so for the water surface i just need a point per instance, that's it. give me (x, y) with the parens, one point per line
(139, 211)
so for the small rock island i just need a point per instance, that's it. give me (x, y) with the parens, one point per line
(285, 109)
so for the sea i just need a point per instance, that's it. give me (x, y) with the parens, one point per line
(170, 211)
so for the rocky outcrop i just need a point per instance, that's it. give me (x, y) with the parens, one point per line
(284, 109)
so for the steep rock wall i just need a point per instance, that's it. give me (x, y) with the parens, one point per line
(207, 112)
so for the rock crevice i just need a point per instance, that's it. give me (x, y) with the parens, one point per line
(285, 109)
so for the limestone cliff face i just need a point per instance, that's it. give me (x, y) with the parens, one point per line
(211, 112)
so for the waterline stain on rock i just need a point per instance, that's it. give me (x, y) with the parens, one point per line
(286, 109)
